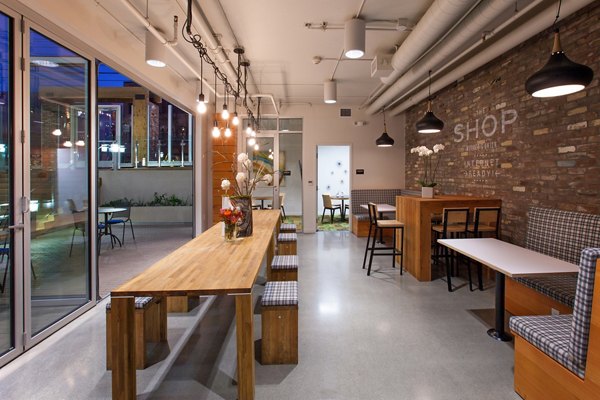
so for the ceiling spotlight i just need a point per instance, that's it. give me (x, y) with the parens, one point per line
(80, 143)
(155, 51)
(330, 91)
(354, 38)
(560, 76)
(68, 143)
(216, 132)
(429, 123)
(56, 132)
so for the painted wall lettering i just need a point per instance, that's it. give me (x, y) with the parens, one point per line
(487, 127)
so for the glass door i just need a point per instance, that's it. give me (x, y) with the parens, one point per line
(56, 176)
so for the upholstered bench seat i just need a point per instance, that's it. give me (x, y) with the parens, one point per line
(550, 334)
(279, 322)
(558, 287)
(287, 237)
(287, 228)
(287, 244)
(140, 302)
(283, 268)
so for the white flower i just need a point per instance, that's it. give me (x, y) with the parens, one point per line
(268, 178)
(438, 147)
(429, 152)
(240, 177)
(242, 157)
(414, 150)
(225, 184)
(248, 164)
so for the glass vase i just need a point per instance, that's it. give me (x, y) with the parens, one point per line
(230, 232)
(245, 205)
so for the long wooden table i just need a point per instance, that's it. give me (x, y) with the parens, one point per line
(507, 260)
(415, 212)
(206, 265)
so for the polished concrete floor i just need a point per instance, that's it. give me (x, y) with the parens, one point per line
(381, 337)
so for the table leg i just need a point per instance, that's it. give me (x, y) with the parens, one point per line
(245, 346)
(381, 230)
(123, 348)
(498, 332)
(343, 211)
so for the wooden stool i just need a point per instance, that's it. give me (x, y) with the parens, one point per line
(287, 228)
(280, 323)
(287, 244)
(283, 268)
(150, 326)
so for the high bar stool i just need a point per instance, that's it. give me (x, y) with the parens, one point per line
(486, 223)
(454, 225)
(376, 226)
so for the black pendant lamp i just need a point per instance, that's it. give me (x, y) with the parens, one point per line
(384, 140)
(429, 123)
(560, 76)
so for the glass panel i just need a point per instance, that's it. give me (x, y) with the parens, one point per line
(290, 125)
(290, 176)
(267, 124)
(59, 181)
(262, 157)
(6, 127)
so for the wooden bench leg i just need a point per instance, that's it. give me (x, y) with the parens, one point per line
(245, 346)
(122, 348)
(279, 335)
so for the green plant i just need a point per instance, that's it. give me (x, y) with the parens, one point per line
(158, 200)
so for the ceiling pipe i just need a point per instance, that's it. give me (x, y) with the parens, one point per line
(472, 26)
(270, 97)
(538, 22)
(441, 16)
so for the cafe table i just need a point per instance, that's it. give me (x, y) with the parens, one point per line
(342, 198)
(507, 260)
(262, 199)
(415, 213)
(206, 265)
(107, 212)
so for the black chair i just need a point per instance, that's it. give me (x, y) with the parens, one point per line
(454, 225)
(377, 226)
(327, 205)
(122, 217)
(78, 221)
(486, 223)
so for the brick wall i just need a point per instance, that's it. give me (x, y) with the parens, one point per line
(502, 142)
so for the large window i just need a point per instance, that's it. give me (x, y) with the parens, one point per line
(138, 129)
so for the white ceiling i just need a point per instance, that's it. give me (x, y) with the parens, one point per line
(281, 49)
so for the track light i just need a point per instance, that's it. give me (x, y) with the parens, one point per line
(560, 76)
(216, 132)
(330, 91)
(354, 38)
(429, 123)
(155, 51)
(384, 140)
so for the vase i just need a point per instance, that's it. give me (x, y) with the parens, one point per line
(230, 232)
(245, 205)
(427, 192)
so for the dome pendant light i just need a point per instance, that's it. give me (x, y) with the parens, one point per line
(330, 91)
(155, 51)
(429, 123)
(384, 140)
(354, 38)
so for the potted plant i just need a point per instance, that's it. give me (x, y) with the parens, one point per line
(427, 181)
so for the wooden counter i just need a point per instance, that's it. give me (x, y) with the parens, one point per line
(206, 265)
(415, 212)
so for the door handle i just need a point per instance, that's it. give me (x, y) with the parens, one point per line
(17, 226)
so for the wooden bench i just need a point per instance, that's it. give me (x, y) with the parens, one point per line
(360, 216)
(559, 234)
(558, 356)
(150, 326)
(283, 268)
(279, 315)
(287, 228)
(287, 244)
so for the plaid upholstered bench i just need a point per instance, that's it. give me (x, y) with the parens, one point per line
(287, 244)
(287, 228)
(150, 321)
(360, 216)
(553, 352)
(279, 317)
(559, 234)
(283, 268)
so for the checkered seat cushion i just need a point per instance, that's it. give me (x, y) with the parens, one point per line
(377, 196)
(284, 262)
(140, 302)
(287, 227)
(283, 293)
(563, 235)
(361, 217)
(550, 334)
(287, 237)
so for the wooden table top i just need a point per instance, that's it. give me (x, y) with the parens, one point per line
(510, 259)
(444, 197)
(208, 265)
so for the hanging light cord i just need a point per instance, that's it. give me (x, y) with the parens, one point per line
(557, 16)
(429, 97)
(384, 126)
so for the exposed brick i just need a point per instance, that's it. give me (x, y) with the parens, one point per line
(578, 110)
(541, 131)
(578, 125)
(566, 149)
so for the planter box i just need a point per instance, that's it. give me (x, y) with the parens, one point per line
(161, 215)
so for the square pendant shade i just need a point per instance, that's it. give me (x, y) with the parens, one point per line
(330, 91)
(354, 38)
(560, 76)
(155, 51)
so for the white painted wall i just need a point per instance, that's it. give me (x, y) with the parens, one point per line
(384, 167)
(291, 144)
(334, 172)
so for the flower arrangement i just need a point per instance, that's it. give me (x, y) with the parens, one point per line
(225, 185)
(428, 179)
(231, 217)
(246, 178)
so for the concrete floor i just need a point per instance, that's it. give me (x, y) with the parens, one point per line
(381, 337)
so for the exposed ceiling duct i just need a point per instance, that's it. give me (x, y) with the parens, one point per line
(517, 33)
(472, 26)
